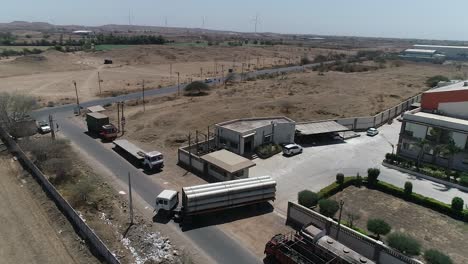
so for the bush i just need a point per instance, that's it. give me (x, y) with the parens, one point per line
(408, 188)
(358, 181)
(267, 150)
(433, 256)
(404, 243)
(434, 80)
(328, 207)
(196, 88)
(464, 181)
(340, 178)
(335, 187)
(372, 175)
(378, 227)
(457, 204)
(307, 198)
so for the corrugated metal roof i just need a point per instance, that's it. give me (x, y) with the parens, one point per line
(440, 46)
(228, 161)
(320, 127)
(421, 51)
(97, 115)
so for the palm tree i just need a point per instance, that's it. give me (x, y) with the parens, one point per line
(451, 149)
(422, 145)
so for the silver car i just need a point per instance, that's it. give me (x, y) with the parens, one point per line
(292, 149)
(372, 131)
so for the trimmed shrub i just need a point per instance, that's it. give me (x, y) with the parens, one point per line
(335, 187)
(328, 207)
(267, 150)
(196, 88)
(378, 227)
(404, 243)
(434, 80)
(340, 178)
(372, 175)
(358, 181)
(433, 256)
(464, 181)
(408, 188)
(457, 204)
(307, 198)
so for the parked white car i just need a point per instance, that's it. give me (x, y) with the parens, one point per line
(292, 149)
(43, 127)
(372, 131)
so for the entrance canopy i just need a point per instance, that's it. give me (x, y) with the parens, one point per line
(321, 127)
(228, 161)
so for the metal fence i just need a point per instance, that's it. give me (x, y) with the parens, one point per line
(84, 231)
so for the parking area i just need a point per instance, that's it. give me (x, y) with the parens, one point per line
(317, 166)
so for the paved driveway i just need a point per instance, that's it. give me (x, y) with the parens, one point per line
(317, 166)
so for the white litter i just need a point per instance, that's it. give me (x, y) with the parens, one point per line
(154, 247)
(122, 192)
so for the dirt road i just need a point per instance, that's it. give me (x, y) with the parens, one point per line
(33, 230)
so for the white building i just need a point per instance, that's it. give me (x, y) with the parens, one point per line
(242, 136)
(451, 52)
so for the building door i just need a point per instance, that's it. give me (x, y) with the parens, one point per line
(248, 145)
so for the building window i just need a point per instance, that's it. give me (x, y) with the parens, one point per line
(267, 139)
(238, 174)
(234, 145)
(222, 141)
(431, 134)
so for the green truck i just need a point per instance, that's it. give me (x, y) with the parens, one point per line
(98, 124)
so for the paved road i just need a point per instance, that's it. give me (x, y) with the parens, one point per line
(215, 243)
(317, 167)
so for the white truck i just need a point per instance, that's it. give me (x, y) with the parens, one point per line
(149, 160)
(213, 197)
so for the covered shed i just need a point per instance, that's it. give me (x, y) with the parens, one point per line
(225, 165)
(319, 131)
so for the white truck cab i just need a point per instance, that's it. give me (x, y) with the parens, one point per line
(153, 160)
(167, 200)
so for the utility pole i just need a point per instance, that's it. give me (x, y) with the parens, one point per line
(143, 94)
(51, 124)
(242, 72)
(130, 200)
(99, 82)
(77, 100)
(178, 83)
(201, 73)
(118, 116)
(123, 118)
(339, 220)
(170, 71)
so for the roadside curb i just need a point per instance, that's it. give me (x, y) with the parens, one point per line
(417, 174)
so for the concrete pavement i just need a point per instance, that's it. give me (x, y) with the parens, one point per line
(317, 167)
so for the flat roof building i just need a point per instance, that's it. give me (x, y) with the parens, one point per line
(451, 52)
(242, 136)
(225, 165)
(441, 120)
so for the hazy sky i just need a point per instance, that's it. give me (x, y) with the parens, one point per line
(381, 18)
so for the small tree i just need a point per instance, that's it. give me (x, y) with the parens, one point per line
(378, 227)
(434, 80)
(457, 204)
(433, 256)
(196, 88)
(422, 144)
(358, 180)
(307, 198)
(408, 188)
(305, 60)
(352, 217)
(328, 207)
(404, 243)
(372, 175)
(340, 178)
(451, 150)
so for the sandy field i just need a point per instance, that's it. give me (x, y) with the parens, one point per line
(50, 75)
(433, 230)
(33, 230)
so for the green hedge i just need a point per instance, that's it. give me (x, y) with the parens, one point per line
(334, 188)
(393, 190)
(267, 150)
(421, 200)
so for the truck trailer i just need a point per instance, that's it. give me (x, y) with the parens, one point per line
(98, 124)
(148, 160)
(213, 197)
